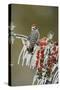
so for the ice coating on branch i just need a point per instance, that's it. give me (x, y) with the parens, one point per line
(43, 58)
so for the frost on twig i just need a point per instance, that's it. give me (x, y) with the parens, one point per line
(11, 28)
(46, 56)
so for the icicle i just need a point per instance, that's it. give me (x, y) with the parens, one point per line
(28, 59)
(34, 79)
(33, 60)
(24, 55)
(46, 53)
(20, 55)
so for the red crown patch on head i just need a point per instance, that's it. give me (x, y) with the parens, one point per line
(34, 26)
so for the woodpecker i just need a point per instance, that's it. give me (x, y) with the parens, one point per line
(33, 37)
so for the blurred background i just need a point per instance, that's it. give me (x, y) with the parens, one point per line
(23, 16)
